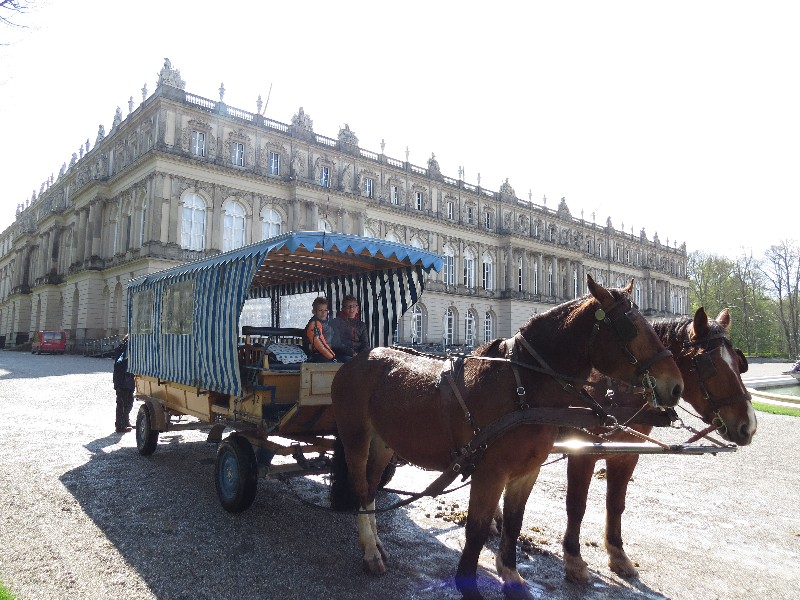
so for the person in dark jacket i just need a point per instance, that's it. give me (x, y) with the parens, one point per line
(350, 332)
(124, 386)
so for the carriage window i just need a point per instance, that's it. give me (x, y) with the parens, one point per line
(177, 308)
(142, 312)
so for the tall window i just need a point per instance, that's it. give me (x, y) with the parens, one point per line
(193, 222)
(575, 287)
(449, 327)
(549, 280)
(270, 223)
(469, 215)
(325, 177)
(488, 327)
(519, 274)
(469, 328)
(469, 269)
(368, 183)
(198, 143)
(395, 194)
(488, 272)
(237, 154)
(449, 270)
(450, 210)
(418, 203)
(233, 226)
(536, 279)
(600, 249)
(274, 163)
(637, 294)
(142, 221)
(416, 324)
(487, 220)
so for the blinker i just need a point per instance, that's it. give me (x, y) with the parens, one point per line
(742, 361)
(624, 327)
(705, 366)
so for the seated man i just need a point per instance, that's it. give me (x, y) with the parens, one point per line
(319, 332)
(350, 332)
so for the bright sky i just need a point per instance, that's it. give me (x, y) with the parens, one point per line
(681, 117)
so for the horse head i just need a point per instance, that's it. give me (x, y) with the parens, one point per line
(714, 387)
(620, 330)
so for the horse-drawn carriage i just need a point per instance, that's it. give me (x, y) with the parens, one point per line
(493, 414)
(191, 357)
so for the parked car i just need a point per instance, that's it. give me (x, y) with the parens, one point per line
(49, 341)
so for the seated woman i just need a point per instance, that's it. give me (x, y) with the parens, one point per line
(319, 332)
(350, 333)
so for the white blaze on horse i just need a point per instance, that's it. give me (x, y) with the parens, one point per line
(497, 411)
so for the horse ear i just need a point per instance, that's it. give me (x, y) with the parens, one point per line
(600, 293)
(700, 323)
(629, 288)
(724, 318)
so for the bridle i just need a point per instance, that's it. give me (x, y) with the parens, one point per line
(705, 369)
(619, 317)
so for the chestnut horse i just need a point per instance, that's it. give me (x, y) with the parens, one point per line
(711, 370)
(428, 411)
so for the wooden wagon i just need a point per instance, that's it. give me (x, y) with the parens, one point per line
(192, 356)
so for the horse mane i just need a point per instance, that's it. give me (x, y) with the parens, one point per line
(676, 330)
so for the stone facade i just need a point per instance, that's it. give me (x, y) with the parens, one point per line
(182, 177)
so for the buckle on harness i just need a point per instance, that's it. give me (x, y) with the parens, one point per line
(520, 391)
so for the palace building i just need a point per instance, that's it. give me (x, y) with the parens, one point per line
(183, 177)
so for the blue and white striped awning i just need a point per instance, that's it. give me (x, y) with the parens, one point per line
(386, 277)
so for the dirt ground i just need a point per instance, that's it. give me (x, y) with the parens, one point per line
(85, 516)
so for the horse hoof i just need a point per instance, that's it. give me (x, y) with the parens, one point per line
(374, 566)
(619, 562)
(576, 569)
(384, 553)
(517, 591)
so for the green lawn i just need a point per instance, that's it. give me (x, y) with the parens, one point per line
(4, 593)
(777, 410)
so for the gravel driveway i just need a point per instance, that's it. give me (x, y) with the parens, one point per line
(85, 516)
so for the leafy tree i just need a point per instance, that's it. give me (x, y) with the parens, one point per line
(781, 268)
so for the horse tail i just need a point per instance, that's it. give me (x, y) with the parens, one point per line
(342, 496)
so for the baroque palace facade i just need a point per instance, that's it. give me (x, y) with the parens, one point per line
(183, 177)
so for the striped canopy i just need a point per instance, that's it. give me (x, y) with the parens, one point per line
(199, 347)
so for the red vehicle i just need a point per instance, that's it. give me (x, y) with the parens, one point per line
(49, 341)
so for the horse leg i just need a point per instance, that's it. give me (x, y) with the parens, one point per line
(619, 471)
(483, 498)
(368, 540)
(496, 526)
(379, 457)
(514, 500)
(579, 478)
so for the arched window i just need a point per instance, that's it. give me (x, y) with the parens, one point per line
(449, 335)
(449, 267)
(193, 222)
(488, 327)
(469, 269)
(469, 328)
(391, 237)
(323, 225)
(416, 324)
(233, 226)
(488, 272)
(270, 223)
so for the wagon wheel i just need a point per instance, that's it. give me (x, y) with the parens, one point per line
(146, 438)
(236, 473)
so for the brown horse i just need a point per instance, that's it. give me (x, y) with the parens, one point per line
(428, 411)
(711, 370)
